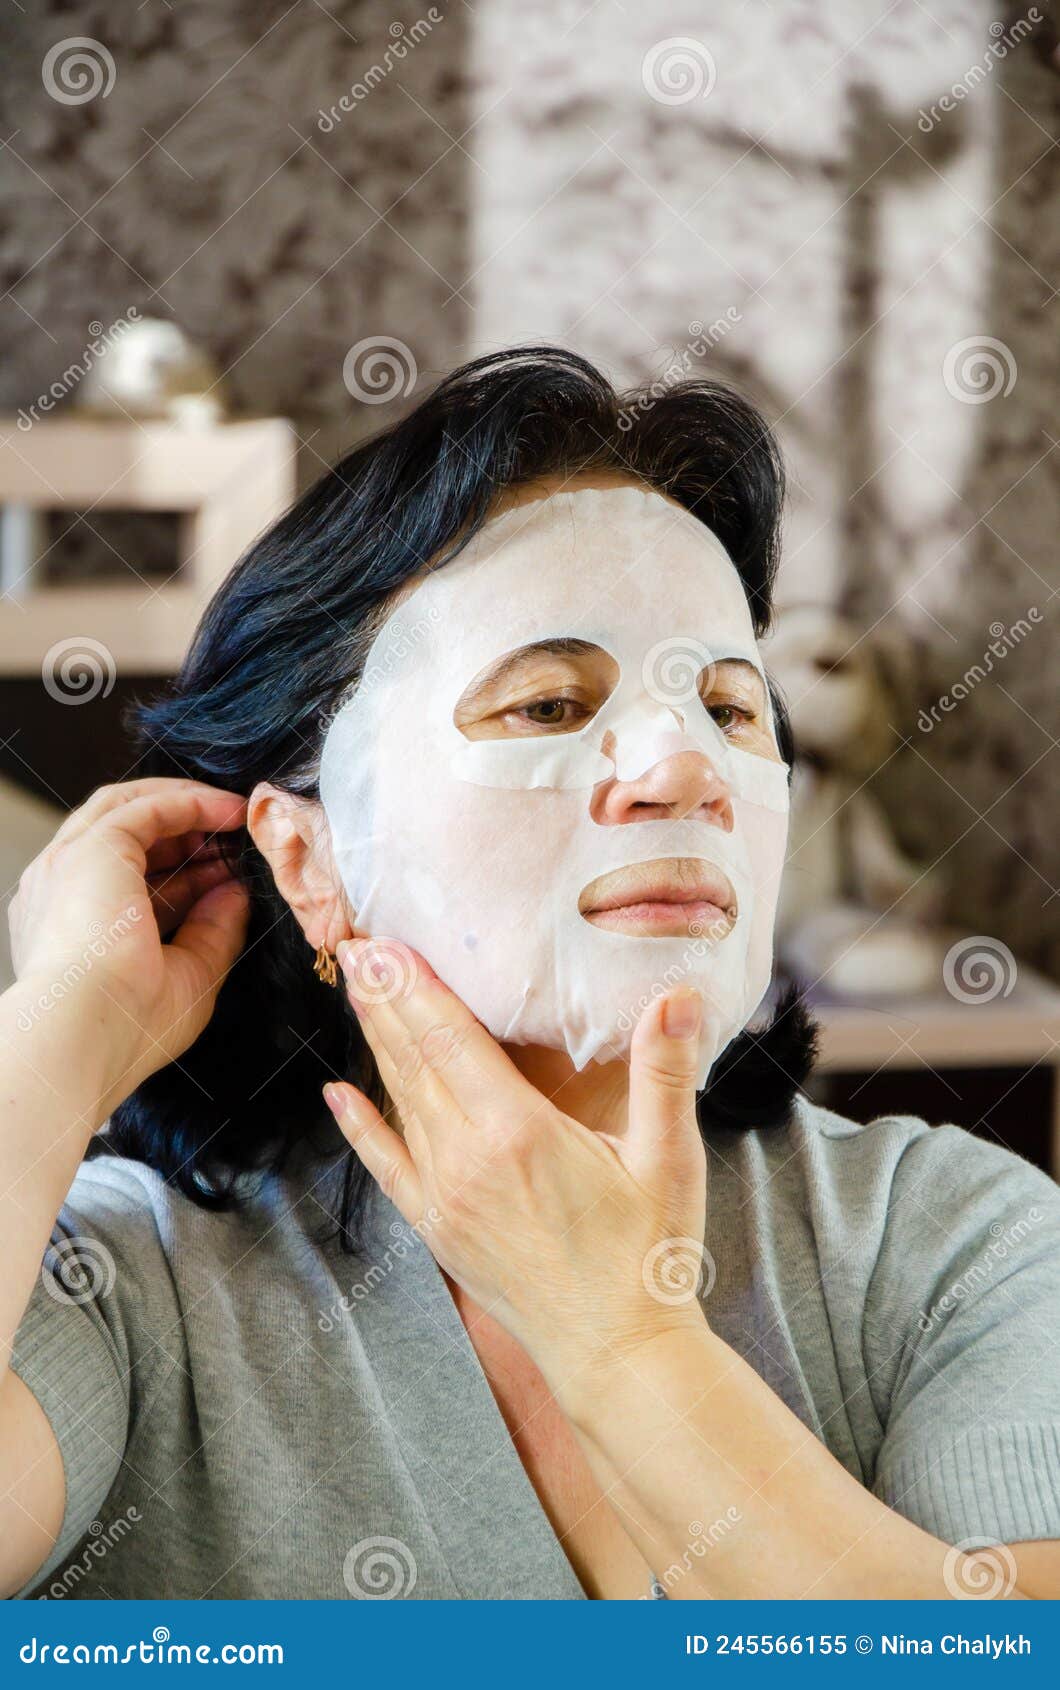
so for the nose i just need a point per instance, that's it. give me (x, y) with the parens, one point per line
(678, 788)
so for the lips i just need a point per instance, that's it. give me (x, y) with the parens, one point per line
(672, 897)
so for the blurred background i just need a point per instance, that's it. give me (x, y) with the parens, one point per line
(238, 237)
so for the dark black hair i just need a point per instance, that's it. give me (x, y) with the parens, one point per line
(283, 640)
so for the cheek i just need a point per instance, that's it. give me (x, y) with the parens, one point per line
(765, 833)
(483, 846)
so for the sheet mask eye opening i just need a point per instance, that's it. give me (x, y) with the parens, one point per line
(576, 675)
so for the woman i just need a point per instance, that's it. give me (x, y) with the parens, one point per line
(599, 1304)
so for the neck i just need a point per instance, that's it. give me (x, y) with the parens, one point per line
(598, 1096)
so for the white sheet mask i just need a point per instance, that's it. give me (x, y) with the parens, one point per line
(475, 852)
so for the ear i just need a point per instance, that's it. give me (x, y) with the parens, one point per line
(292, 835)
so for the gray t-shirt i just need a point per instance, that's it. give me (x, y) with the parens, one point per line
(244, 1411)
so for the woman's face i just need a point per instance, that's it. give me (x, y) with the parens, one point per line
(559, 780)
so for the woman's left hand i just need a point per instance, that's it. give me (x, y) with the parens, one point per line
(581, 1243)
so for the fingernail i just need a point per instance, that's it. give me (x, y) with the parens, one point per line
(682, 1014)
(333, 1099)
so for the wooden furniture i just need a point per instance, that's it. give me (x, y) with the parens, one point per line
(1021, 1031)
(228, 481)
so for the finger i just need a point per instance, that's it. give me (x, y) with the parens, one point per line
(132, 829)
(378, 1147)
(421, 1024)
(401, 1110)
(116, 796)
(215, 929)
(663, 1063)
(173, 898)
(180, 850)
(421, 1099)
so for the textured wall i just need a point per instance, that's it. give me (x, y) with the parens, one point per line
(859, 241)
(547, 171)
(203, 187)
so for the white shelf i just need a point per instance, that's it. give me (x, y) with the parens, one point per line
(1022, 1030)
(229, 481)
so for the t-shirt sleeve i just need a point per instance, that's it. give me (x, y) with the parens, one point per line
(963, 1347)
(77, 1347)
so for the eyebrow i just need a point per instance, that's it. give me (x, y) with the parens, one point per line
(742, 663)
(500, 671)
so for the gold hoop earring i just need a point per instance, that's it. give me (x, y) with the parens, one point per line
(325, 968)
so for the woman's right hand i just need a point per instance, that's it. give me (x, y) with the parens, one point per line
(131, 866)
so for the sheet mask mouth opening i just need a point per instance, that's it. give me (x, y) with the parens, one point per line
(667, 897)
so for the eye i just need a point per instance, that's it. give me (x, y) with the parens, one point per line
(556, 713)
(548, 711)
(730, 716)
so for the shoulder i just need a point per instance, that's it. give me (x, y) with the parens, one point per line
(117, 1185)
(888, 1212)
(127, 1203)
(891, 1161)
(950, 1230)
(162, 1242)
(155, 1235)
